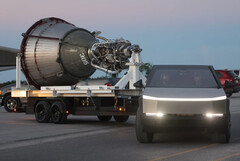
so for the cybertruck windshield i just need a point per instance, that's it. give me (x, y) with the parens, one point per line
(163, 77)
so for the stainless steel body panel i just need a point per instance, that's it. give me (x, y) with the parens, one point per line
(184, 92)
(189, 98)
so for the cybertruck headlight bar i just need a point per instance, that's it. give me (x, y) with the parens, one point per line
(155, 114)
(211, 115)
(184, 99)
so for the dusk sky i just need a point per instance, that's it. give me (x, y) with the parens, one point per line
(205, 32)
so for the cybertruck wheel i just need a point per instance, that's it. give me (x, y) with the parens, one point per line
(121, 118)
(229, 94)
(224, 137)
(142, 136)
(58, 113)
(104, 118)
(42, 112)
(11, 103)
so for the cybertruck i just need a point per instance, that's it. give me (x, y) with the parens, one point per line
(179, 97)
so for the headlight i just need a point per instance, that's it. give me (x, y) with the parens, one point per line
(210, 115)
(155, 114)
(185, 99)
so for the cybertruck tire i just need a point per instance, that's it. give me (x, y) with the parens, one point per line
(142, 136)
(229, 94)
(58, 113)
(104, 118)
(42, 112)
(224, 137)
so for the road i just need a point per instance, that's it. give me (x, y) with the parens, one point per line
(84, 138)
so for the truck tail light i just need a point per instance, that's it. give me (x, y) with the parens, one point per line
(121, 109)
(108, 84)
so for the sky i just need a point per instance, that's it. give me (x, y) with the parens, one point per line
(193, 32)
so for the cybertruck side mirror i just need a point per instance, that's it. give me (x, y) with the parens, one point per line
(229, 84)
(138, 84)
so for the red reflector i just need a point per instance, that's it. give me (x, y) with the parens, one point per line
(108, 84)
(120, 109)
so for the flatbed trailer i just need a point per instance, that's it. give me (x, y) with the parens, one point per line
(55, 103)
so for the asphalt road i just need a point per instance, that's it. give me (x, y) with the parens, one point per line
(87, 139)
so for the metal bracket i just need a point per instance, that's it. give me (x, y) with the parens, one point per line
(18, 70)
(89, 93)
(133, 75)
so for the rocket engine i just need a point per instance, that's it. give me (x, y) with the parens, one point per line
(55, 52)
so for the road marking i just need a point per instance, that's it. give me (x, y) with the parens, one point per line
(184, 152)
(48, 139)
(191, 150)
(231, 155)
(228, 156)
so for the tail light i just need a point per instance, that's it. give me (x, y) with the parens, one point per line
(121, 109)
(108, 84)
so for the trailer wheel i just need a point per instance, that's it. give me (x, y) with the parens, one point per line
(58, 113)
(11, 103)
(104, 118)
(42, 112)
(142, 136)
(121, 118)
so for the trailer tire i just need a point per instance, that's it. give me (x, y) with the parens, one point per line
(142, 136)
(42, 112)
(104, 118)
(11, 103)
(121, 118)
(58, 113)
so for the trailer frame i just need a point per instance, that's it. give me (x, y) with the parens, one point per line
(100, 100)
